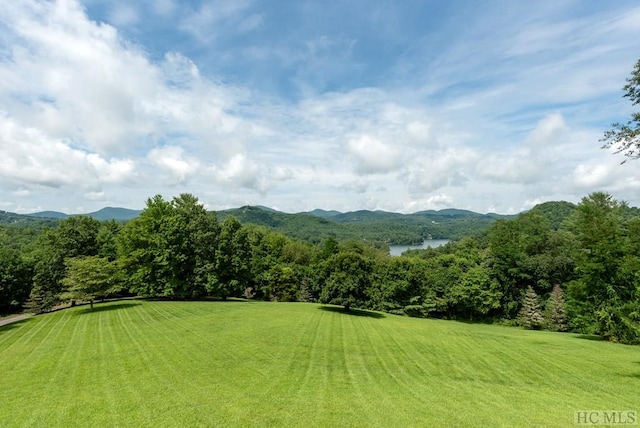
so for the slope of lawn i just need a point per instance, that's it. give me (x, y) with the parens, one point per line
(137, 363)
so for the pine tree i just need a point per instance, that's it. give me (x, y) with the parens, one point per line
(530, 314)
(555, 311)
(304, 294)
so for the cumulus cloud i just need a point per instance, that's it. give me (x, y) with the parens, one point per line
(441, 200)
(242, 172)
(373, 156)
(174, 162)
(74, 78)
(30, 157)
(501, 118)
(450, 167)
(548, 131)
(95, 196)
(535, 159)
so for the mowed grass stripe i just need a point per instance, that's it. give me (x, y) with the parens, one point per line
(151, 363)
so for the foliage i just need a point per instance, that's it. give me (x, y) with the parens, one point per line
(169, 250)
(232, 259)
(379, 227)
(625, 138)
(346, 279)
(90, 278)
(530, 316)
(477, 295)
(555, 212)
(176, 249)
(620, 323)
(555, 314)
(73, 237)
(15, 279)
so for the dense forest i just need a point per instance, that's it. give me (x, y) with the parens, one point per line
(560, 266)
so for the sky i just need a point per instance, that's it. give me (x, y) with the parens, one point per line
(492, 106)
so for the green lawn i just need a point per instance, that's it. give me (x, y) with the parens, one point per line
(136, 363)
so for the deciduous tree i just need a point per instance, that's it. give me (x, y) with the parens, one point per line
(625, 137)
(347, 278)
(90, 278)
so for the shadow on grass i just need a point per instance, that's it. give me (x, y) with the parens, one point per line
(352, 312)
(13, 324)
(199, 299)
(105, 307)
(589, 337)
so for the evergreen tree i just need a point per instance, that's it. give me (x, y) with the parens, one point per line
(555, 311)
(530, 314)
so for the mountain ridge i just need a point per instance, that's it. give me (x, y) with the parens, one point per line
(380, 227)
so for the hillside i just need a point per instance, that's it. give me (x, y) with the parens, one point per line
(238, 363)
(315, 226)
(107, 213)
(372, 226)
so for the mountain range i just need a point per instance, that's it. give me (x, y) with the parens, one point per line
(107, 213)
(317, 225)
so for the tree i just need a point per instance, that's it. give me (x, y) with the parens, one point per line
(597, 225)
(74, 237)
(107, 239)
(15, 279)
(347, 278)
(530, 314)
(233, 258)
(168, 251)
(625, 138)
(555, 311)
(90, 278)
(477, 294)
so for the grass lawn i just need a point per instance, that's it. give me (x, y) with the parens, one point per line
(137, 363)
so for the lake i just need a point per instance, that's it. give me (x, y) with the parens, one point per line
(396, 250)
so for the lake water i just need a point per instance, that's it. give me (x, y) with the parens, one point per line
(396, 250)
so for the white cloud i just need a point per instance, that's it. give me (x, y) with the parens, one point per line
(505, 113)
(450, 167)
(548, 131)
(172, 160)
(372, 156)
(21, 193)
(241, 172)
(29, 157)
(95, 196)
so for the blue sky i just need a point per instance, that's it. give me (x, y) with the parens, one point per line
(492, 106)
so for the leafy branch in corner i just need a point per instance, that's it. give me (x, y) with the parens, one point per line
(625, 138)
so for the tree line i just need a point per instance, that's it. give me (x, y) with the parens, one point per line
(558, 267)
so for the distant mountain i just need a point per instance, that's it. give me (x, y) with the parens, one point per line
(111, 213)
(450, 212)
(108, 213)
(372, 226)
(323, 213)
(379, 227)
(22, 220)
(49, 214)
